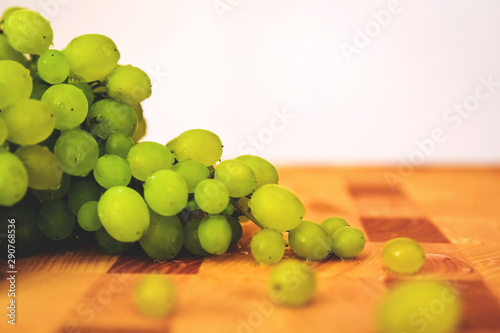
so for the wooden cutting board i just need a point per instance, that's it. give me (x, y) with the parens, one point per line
(453, 212)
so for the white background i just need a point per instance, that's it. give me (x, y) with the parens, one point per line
(231, 65)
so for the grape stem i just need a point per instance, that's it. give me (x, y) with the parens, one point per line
(248, 215)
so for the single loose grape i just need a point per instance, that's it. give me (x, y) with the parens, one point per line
(166, 192)
(292, 283)
(155, 296)
(237, 176)
(123, 213)
(403, 255)
(276, 207)
(88, 218)
(214, 233)
(265, 172)
(333, 224)
(347, 242)
(211, 196)
(53, 66)
(164, 237)
(199, 145)
(92, 57)
(421, 307)
(147, 157)
(309, 241)
(267, 246)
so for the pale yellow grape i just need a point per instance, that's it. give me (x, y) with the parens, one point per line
(421, 307)
(27, 31)
(237, 176)
(69, 104)
(15, 83)
(199, 145)
(29, 121)
(140, 130)
(276, 207)
(44, 169)
(92, 57)
(123, 213)
(147, 157)
(13, 179)
(155, 296)
(128, 84)
(265, 172)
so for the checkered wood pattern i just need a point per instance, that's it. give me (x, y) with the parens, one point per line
(454, 213)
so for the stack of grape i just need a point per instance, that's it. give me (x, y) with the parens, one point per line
(70, 123)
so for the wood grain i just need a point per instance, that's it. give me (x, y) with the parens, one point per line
(453, 212)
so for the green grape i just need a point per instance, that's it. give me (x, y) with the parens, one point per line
(3, 131)
(191, 205)
(82, 192)
(13, 179)
(403, 255)
(199, 145)
(53, 66)
(211, 196)
(147, 157)
(7, 52)
(171, 145)
(44, 170)
(421, 307)
(123, 213)
(69, 104)
(8, 11)
(191, 240)
(112, 170)
(110, 245)
(265, 172)
(118, 144)
(29, 121)
(87, 91)
(276, 207)
(267, 246)
(138, 111)
(347, 242)
(87, 216)
(140, 131)
(28, 235)
(92, 57)
(56, 220)
(15, 83)
(166, 192)
(164, 237)
(128, 84)
(229, 210)
(27, 31)
(39, 88)
(214, 233)
(78, 152)
(333, 224)
(309, 241)
(237, 176)
(236, 229)
(107, 116)
(292, 283)
(193, 172)
(54, 195)
(155, 296)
